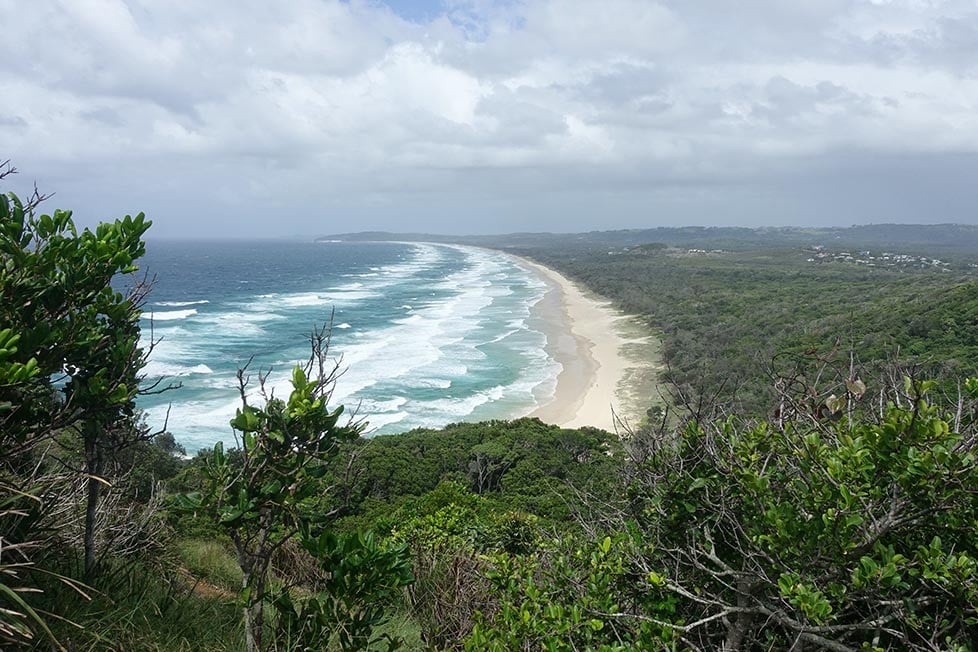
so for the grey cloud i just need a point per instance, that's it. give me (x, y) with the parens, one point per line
(626, 82)
(103, 115)
(519, 119)
(950, 42)
(782, 101)
(12, 121)
(217, 115)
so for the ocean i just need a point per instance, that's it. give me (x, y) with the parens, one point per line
(427, 334)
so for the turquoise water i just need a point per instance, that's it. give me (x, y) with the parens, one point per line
(427, 334)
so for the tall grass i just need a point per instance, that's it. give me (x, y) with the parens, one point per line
(185, 606)
(142, 609)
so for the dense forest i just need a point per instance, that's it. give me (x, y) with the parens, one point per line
(729, 320)
(810, 484)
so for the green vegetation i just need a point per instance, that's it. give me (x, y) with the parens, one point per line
(69, 365)
(812, 483)
(730, 321)
(273, 491)
(856, 533)
(208, 560)
(957, 242)
(518, 465)
(86, 558)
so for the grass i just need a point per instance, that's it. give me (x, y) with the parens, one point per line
(403, 626)
(142, 609)
(211, 562)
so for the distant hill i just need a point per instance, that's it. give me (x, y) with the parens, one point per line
(949, 241)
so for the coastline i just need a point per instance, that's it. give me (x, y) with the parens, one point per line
(599, 348)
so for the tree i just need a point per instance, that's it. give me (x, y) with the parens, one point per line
(69, 353)
(276, 491)
(82, 334)
(490, 461)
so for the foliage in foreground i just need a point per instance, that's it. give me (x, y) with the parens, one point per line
(73, 462)
(274, 490)
(852, 533)
(69, 369)
(142, 608)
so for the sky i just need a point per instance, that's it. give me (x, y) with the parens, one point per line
(247, 118)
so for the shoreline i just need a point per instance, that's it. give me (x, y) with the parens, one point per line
(586, 335)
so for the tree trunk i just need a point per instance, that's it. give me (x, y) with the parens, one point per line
(93, 467)
(251, 645)
(258, 611)
(738, 629)
(254, 611)
(736, 632)
(253, 576)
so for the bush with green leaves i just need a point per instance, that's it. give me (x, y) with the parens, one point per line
(450, 531)
(522, 465)
(363, 578)
(274, 489)
(576, 594)
(849, 528)
(834, 531)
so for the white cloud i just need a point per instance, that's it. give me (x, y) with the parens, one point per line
(347, 104)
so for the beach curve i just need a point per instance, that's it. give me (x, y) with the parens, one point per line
(585, 335)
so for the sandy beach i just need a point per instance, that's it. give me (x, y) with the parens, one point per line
(589, 338)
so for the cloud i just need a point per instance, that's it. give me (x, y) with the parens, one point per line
(323, 112)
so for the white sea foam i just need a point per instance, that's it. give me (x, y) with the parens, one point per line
(426, 343)
(178, 304)
(456, 408)
(347, 296)
(236, 324)
(299, 300)
(157, 369)
(197, 424)
(369, 406)
(450, 367)
(423, 257)
(169, 315)
(428, 350)
(504, 335)
(172, 345)
(377, 421)
(348, 388)
(412, 319)
(417, 342)
(343, 295)
(423, 383)
(220, 381)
